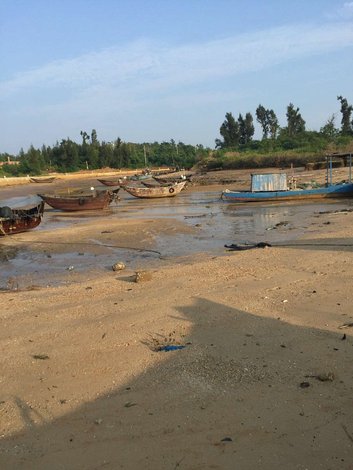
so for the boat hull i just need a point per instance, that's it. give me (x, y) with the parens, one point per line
(110, 182)
(334, 191)
(21, 220)
(145, 176)
(50, 179)
(155, 192)
(97, 201)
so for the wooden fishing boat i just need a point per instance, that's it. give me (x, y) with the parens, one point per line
(274, 187)
(174, 176)
(165, 171)
(111, 182)
(16, 220)
(96, 200)
(126, 180)
(141, 177)
(333, 191)
(43, 179)
(155, 192)
(153, 183)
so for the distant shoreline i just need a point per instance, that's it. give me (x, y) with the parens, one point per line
(15, 180)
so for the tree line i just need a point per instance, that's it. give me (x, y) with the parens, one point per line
(237, 135)
(91, 154)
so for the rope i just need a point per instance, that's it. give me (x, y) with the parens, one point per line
(91, 244)
(2, 231)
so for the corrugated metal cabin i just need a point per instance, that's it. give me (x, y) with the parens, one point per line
(269, 182)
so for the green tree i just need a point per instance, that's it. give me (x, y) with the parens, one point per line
(92, 151)
(89, 153)
(346, 110)
(268, 121)
(106, 154)
(230, 132)
(295, 122)
(246, 128)
(262, 119)
(94, 138)
(66, 155)
(122, 154)
(46, 151)
(272, 123)
(164, 153)
(32, 161)
(329, 129)
(85, 137)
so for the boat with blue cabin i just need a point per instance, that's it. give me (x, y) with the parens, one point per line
(278, 187)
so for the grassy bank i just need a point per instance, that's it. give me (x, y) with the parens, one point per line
(249, 160)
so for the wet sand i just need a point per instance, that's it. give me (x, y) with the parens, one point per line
(68, 246)
(264, 380)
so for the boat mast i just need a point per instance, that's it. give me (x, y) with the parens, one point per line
(144, 154)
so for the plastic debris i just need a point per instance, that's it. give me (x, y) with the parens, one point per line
(346, 325)
(171, 347)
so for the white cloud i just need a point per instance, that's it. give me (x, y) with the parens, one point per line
(144, 66)
(133, 87)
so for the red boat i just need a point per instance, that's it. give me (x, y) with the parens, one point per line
(21, 219)
(97, 200)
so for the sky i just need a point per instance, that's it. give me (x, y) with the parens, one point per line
(156, 70)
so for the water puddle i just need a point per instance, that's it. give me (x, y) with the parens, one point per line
(213, 224)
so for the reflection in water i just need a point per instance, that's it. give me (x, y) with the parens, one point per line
(7, 253)
(251, 223)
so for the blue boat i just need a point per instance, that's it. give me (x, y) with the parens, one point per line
(273, 187)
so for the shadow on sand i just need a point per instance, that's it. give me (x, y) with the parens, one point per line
(332, 244)
(230, 399)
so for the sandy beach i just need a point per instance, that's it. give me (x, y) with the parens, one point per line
(262, 379)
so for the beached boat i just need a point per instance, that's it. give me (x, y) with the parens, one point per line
(155, 192)
(141, 177)
(16, 220)
(43, 179)
(126, 180)
(275, 187)
(96, 200)
(111, 182)
(174, 177)
(334, 191)
(153, 183)
(165, 171)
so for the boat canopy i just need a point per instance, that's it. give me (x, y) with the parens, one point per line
(269, 182)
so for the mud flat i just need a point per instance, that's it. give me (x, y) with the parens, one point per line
(216, 360)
